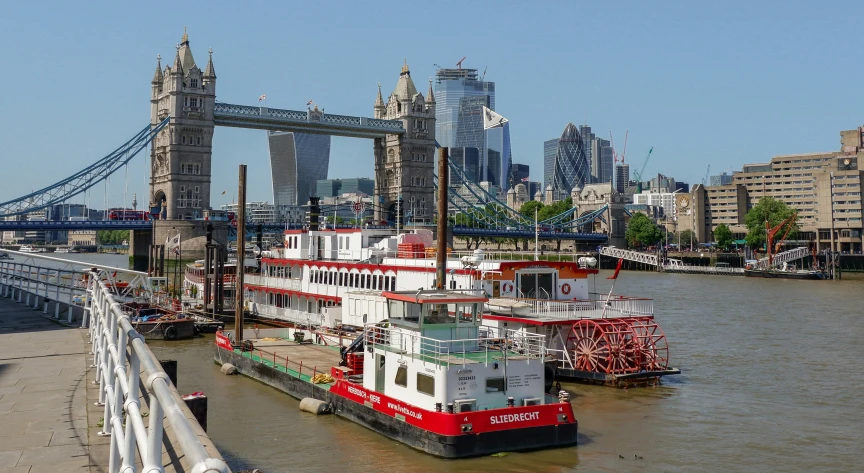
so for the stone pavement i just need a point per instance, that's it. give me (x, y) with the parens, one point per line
(44, 389)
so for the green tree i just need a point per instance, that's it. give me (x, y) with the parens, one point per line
(723, 236)
(685, 237)
(641, 231)
(112, 237)
(528, 208)
(772, 210)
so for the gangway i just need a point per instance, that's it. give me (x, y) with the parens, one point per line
(784, 257)
(629, 255)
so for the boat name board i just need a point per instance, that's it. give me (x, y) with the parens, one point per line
(510, 418)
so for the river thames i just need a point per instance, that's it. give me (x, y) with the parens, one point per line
(771, 381)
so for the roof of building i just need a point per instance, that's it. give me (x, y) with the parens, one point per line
(405, 89)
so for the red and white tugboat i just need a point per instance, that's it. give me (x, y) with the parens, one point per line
(424, 372)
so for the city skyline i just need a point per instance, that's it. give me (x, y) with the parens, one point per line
(694, 96)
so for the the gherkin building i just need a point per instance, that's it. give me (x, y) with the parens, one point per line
(571, 163)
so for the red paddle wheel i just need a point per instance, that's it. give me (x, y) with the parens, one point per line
(604, 346)
(652, 344)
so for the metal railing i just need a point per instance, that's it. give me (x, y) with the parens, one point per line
(488, 347)
(616, 306)
(119, 354)
(37, 287)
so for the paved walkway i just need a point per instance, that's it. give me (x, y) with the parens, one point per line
(44, 387)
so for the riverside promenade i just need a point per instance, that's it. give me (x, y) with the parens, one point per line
(48, 418)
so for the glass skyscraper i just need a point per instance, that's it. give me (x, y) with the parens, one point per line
(469, 160)
(550, 149)
(571, 167)
(460, 97)
(297, 162)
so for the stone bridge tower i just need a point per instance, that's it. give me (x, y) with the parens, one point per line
(181, 154)
(613, 222)
(404, 165)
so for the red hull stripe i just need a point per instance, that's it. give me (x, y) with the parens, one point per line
(443, 423)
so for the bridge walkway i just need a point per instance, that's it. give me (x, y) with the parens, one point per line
(47, 412)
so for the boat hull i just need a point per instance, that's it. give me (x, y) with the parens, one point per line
(755, 273)
(446, 446)
(166, 330)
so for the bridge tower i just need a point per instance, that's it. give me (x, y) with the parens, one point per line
(181, 154)
(404, 165)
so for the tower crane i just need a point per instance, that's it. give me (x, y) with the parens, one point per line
(459, 64)
(638, 174)
(705, 179)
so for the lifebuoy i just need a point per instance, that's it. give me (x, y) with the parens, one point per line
(565, 288)
(507, 287)
(171, 333)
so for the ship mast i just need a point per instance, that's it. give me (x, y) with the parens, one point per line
(441, 250)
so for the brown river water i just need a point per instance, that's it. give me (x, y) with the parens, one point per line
(772, 380)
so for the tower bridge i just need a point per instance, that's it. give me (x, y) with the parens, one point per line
(185, 113)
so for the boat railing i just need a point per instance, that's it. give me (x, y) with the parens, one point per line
(615, 306)
(272, 282)
(122, 362)
(286, 315)
(493, 345)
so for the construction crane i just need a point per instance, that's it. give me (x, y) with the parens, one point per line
(770, 232)
(638, 174)
(437, 66)
(705, 179)
(483, 77)
(626, 133)
(459, 64)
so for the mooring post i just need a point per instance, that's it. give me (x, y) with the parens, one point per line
(241, 254)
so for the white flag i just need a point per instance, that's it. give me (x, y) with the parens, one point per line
(262, 97)
(492, 119)
(174, 244)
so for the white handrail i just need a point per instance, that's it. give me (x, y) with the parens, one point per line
(117, 345)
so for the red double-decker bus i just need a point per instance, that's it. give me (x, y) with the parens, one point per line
(126, 214)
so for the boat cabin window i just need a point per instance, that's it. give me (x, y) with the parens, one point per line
(425, 384)
(494, 385)
(438, 314)
(405, 313)
(401, 376)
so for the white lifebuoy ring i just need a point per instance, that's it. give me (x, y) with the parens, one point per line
(565, 288)
(507, 287)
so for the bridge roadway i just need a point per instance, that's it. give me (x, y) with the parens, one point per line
(49, 419)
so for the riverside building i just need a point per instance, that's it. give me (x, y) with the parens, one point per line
(825, 189)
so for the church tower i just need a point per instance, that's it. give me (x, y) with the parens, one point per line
(180, 156)
(404, 165)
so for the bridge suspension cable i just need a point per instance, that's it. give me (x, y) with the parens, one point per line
(85, 179)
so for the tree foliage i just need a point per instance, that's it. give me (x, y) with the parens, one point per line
(112, 237)
(723, 236)
(684, 237)
(641, 231)
(528, 208)
(772, 210)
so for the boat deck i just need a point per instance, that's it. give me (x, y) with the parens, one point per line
(302, 361)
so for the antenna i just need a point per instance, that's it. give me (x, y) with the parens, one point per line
(459, 64)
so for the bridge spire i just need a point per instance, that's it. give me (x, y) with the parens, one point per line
(430, 97)
(209, 72)
(177, 68)
(157, 76)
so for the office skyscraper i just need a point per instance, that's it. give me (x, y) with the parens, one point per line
(550, 149)
(460, 97)
(622, 177)
(571, 167)
(592, 153)
(297, 162)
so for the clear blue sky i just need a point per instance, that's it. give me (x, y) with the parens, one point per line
(720, 83)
